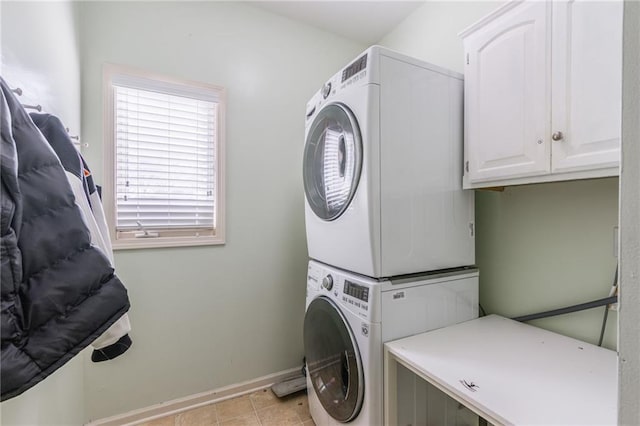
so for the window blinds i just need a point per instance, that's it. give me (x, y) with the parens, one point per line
(165, 160)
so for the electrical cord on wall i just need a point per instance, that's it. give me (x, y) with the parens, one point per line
(606, 302)
(568, 309)
(614, 291)
(483, 313)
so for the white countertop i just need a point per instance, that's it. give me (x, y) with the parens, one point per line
(519, 374)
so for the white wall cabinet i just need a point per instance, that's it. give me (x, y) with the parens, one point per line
(543, 93)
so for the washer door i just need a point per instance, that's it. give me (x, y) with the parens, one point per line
(332, 161)
(333, 360)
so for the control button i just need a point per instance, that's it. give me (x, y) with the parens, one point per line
(365, 329)
(327, 282)
(326, 89)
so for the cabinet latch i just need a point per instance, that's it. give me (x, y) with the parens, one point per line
(466, 166)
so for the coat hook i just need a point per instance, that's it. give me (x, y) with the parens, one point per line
(36, 107)
(17, 91)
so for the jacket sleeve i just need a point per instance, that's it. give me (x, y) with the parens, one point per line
(115, 341)
(117, 334)
(85, 193)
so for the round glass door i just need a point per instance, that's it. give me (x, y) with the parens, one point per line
(332, 161)
(333, 360)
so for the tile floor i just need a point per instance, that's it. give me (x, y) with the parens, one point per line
(258, 408)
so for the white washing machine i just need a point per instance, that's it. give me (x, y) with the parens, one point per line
(383, 168)
(349, 317)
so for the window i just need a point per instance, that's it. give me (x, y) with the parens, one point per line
(164, 160)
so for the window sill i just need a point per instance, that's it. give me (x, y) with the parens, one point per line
(160, 242)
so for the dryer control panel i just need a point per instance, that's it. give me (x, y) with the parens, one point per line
(354, 68)
(362, 71)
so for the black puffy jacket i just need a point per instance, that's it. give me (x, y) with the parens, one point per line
(59, 293)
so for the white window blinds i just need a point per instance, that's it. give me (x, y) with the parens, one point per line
(165, 159)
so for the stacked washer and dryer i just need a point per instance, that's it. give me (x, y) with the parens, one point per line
(390, 232)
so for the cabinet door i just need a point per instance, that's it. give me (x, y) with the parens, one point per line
(507, 85)
(587, 84)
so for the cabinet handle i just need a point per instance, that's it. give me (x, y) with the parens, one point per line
(557, 136)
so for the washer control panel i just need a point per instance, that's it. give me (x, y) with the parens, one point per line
(356, 295)
(349, 292)
(358, 291)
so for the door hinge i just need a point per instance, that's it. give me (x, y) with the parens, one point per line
(467, 59)
(466, 166)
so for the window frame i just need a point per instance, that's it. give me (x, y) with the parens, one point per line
(168, 238)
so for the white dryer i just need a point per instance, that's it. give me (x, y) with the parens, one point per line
(382, 168)
(349, 317)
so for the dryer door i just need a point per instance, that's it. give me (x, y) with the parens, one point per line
(332, 161)
(333, 360)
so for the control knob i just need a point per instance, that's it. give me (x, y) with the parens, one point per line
(326, 89)
(327, 282)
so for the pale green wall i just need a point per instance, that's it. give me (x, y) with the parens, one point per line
(539, 247)
(431, 32)
(209, 317)
(39, 55)
(57, 400)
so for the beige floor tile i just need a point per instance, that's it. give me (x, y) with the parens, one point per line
(232, 408)
(300, 404)
(163, 421)
(203, 416)
(246, 420)
(263, 398)
(259, 408)
(278, 415)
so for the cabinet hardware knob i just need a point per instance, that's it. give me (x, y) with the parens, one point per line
(557, 136)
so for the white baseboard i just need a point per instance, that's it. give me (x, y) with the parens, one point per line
(194, 401)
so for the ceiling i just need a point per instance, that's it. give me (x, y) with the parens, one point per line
(363, 21)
